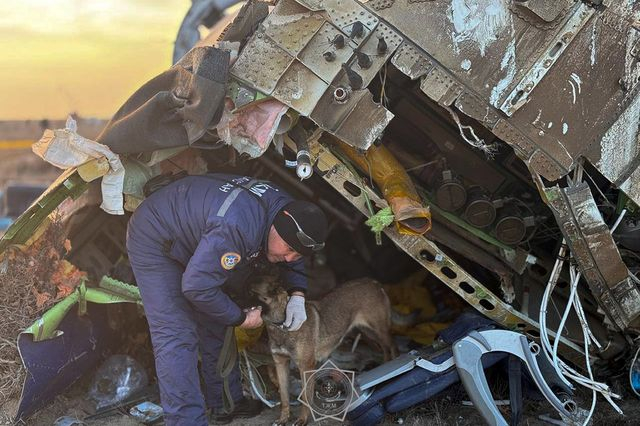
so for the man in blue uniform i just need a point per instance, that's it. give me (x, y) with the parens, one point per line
(191, 244)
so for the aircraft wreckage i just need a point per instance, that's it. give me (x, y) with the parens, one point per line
(502, 134)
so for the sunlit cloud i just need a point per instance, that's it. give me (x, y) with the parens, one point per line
(85, 56)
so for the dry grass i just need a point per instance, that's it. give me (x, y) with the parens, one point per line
(32, 279)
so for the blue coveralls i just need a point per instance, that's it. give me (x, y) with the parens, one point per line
(185, 241)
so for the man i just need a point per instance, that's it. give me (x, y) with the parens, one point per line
(189, 239)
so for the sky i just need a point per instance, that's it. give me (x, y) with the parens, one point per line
(83, 56)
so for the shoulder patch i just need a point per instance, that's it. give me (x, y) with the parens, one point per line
(229, 260)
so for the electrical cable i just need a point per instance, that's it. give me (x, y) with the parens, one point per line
(615, 225)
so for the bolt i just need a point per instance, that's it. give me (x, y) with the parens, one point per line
(340, 95)
(364, 61)
(329, 56)
(382, 46)
(439, 258)
(338, 41)
(357, 30)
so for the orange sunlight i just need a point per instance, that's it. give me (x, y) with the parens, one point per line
(62, 56)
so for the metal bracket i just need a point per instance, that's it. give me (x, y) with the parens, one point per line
(567, 33)
(468, 353)
(595, 251)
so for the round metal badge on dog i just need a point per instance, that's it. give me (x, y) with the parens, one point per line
(328, 392)
(229, 260)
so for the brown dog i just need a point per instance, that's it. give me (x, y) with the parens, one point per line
(360, 303)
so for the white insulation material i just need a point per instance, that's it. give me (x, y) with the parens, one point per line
(479, 22)
(508, 66)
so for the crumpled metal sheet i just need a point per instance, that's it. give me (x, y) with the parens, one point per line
(285, 58)
(595, 251)
(345, 121)
(491, 49)
(173, 109)
(413, 63)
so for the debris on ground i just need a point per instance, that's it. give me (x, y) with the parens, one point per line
(32, 279)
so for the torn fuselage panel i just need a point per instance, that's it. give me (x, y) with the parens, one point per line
(317, 62)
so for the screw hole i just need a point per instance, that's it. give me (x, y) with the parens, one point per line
(534, 334)
(448, 272)
(466, 287)
(352, 189)
(487, 305)
(534, 347)
(427, 255)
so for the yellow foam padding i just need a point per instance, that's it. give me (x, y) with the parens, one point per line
(246, 337)
(397, 188)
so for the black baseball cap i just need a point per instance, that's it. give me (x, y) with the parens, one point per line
(303, 226)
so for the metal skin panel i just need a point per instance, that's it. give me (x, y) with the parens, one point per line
(587, 97)
(546, 10)
(261, 63)
(440, 86)
(369, 47)
(482, 43)
(300, 88)
(291, 26)
(329, 114)
(546, 60)
(376, 116)
(413, 63)
(284, 58)
(312, 55)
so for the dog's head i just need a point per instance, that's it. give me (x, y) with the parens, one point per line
(268, 289)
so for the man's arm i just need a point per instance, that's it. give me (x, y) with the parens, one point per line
(219, 251)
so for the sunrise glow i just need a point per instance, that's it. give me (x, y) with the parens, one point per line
(62, 56)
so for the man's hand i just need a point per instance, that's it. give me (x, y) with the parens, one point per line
(253, 319)
(295, 314)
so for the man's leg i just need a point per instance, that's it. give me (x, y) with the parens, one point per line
(211, 341)
(174, 337)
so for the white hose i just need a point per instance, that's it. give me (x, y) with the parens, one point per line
(615, 225)
(551, 352)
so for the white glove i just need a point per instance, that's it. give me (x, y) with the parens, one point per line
(295, 314)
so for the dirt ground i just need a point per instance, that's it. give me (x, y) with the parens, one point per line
(445, 410)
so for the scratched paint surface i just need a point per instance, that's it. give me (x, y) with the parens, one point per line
(620, 143)
(508, 67)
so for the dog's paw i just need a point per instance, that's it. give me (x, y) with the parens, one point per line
(300, 422)
(280, 422)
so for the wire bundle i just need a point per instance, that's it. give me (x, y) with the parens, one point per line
(551, 351)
